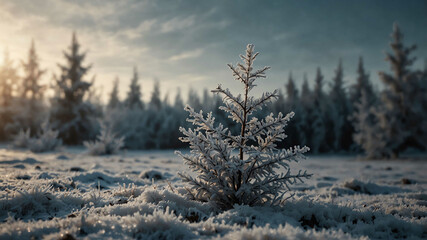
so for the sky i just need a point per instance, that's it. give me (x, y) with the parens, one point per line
(187, 44)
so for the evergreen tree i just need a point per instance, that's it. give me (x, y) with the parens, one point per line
(291, 92)
(171, 118)
(318, 85)
(166, 101)
(178, 103)
(153, 128)
(318, 122)
(340, 112)
(179, 117)
(29, 109)
(401, 115)
(422, 95)
(292, 105)
(131, 124)
(156, 102)
(8, 80)
(70, 114)
(363, 83)
(247, 177)
(279, 104)
(194, 100)
(31, 87)
(306, 113)
(168, 133)
(94, 96)
(114, 101)
(305, 89)
(207, 101)
(133, 99)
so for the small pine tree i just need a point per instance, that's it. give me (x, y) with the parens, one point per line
(133, 99)
(114, 100)
(248, 177)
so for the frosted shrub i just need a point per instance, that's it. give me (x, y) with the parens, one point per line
(47, 140)
(107, 143)
(240, 169)
(22, 139)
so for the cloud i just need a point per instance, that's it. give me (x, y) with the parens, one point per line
(143, 27)
(177, 23)
(185, 55)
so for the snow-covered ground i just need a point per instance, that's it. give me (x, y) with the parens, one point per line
(137, 194)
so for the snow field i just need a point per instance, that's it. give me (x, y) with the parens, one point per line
(137, 194)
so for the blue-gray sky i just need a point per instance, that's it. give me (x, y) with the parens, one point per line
(188, 43)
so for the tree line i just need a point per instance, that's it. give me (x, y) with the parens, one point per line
(357, 118)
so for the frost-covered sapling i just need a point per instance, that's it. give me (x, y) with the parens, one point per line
(107, 142)
(240, 169)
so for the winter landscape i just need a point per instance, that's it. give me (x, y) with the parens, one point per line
(123, 120)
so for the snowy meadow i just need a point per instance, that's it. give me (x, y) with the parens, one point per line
(137, 194)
